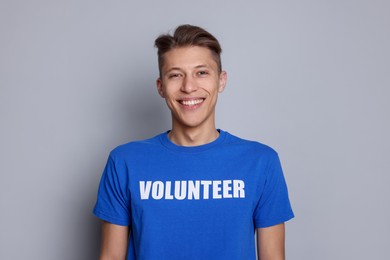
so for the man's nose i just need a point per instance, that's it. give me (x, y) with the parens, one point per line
(189, 85)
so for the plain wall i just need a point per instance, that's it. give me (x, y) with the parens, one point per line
(309, 78)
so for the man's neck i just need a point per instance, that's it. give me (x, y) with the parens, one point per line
(193, 136)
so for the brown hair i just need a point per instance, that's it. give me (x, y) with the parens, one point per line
(184, 36)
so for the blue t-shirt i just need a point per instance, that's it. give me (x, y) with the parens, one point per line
(201, 202)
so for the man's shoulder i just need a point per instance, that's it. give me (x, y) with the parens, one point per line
(251, 145)
(136, 146)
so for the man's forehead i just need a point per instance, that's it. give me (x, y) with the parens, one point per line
(192, 57)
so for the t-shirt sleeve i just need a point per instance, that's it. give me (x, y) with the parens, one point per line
(274, 205)
(113, 202)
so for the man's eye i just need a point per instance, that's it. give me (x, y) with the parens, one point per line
(175, 75)
(202, 73)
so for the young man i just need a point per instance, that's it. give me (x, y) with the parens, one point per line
(194, 192)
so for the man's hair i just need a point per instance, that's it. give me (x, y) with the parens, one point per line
(185, 36)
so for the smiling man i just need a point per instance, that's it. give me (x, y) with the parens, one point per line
(195, 191)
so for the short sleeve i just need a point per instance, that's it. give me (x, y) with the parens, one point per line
(113, 202)
(274, 205)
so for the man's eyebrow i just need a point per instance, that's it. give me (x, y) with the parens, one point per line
(201, 66)
(196, 67)
(173, 68)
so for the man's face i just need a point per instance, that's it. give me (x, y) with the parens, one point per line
(190, 83)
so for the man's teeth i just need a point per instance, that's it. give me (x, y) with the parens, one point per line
(191, 102)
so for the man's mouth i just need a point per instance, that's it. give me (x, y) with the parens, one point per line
(191, 102)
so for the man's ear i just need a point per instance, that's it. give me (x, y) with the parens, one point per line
(160, 88)
(222, 81)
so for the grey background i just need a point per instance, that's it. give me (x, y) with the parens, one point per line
(309, 78)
